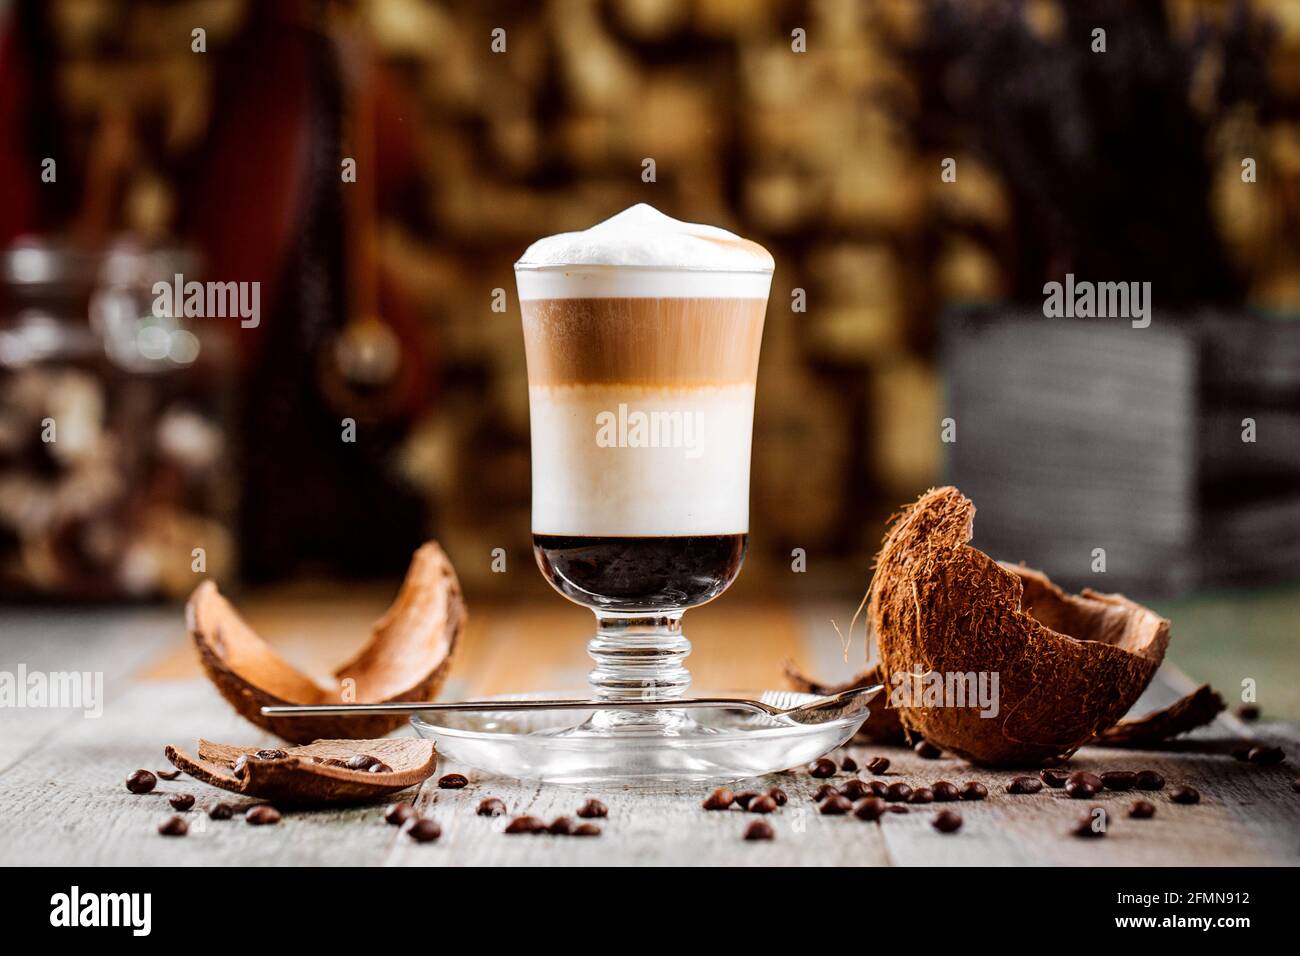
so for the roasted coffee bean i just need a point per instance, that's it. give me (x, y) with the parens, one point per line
(1081, 788)
(142, 781)
(759, 830)
(720, 799)
(974, 790)
(1149, 780)
(1024, 785)
(947, 821)
(1053, 778)
(380, 767)
(491, 807)
(745, 797)
(836, 806)
(878, 765)
(525, 824)
(174, 826)
(822, 768)
(262, 814)
(221, 811)
(779, 796)
(878, 787)
(763, 804)
(360, 762)
(921, 795)
(1089, 778)
(1248, 712)
(167, 774)
(855, 789)
(399, 813)
(870, 808)
(1119, 779)
(826, 790)
(944, 792)
(849, 765)
(586, 829)
(1187, 795)
(1091, 825)
(592, 809)
(423, 830)
(1266, 756)
(927, 751)
(896, 808)
(560, 826)
(453, 781)
(1142, 810)
(1242, 753)
(181, 801)
(271, 754)
(898, 792)
(240, 765)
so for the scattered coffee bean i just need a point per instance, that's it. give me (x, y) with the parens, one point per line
(1149, 780)
(763, 804)
(745, 797)
(167, 774)
(423, 830)
(593, 808)
(759, 830)
(855, 789)
(1091, 825)
(822, 768)
(262, 814)
(878, 787)
(947, 821)
(878, 765)
(849, 765)
(1142, 810)
(870, 809)
(896, 808)
(1242, 753)
(945, 792)
(824, 791)
(1186, 795)
(360, 762)
(491, 807)
(1081, 788)
(1090, 778)
(1119, 779)
(921, 795)
(560, 826)
(525, 824)
(927, 751)
(898, 792)
(1266, 756)
(379, 767)
(1054, 778)
(181, 801)
(836, 806)
(720, 799)
(1024, 785)
(586, 829)
(174, 826)
(1248, 712)
(453, 781)
(142, 781)
(974, 790)
(399, 813)
(779, 796)
(240, 765)
(221, 811)
(271, 754)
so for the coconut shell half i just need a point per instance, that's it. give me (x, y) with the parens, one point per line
(405, 659)
(1068, 666)
(311, 775)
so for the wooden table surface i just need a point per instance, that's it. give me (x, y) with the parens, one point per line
(61, 773)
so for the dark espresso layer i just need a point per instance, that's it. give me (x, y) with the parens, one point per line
(640, 573)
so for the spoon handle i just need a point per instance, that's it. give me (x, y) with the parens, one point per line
(417, 707)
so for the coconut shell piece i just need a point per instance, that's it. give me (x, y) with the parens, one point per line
(1187, 713)
(880, 727)
(1069, 666)
(311, 775)
(405, 659)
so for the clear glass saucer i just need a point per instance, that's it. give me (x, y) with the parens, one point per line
(706, 744)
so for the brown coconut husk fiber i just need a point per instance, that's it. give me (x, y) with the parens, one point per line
(405, 659)
(1069, 666)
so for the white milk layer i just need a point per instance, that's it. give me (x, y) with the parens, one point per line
(623, 460)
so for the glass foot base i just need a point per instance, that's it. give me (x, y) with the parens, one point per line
(704, 745)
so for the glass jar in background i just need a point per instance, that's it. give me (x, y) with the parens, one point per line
(116, 478)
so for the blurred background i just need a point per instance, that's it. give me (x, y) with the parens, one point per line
(905, 342)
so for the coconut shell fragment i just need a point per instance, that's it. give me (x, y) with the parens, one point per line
(1187, 713)
(880, 727)
(405, 659)
(311, 775)
(1068, 666)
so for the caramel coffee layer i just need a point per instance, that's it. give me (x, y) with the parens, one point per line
(643, 341)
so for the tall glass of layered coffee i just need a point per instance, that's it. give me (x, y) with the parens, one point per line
(642, 336)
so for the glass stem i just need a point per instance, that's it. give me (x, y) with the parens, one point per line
(638, 657)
